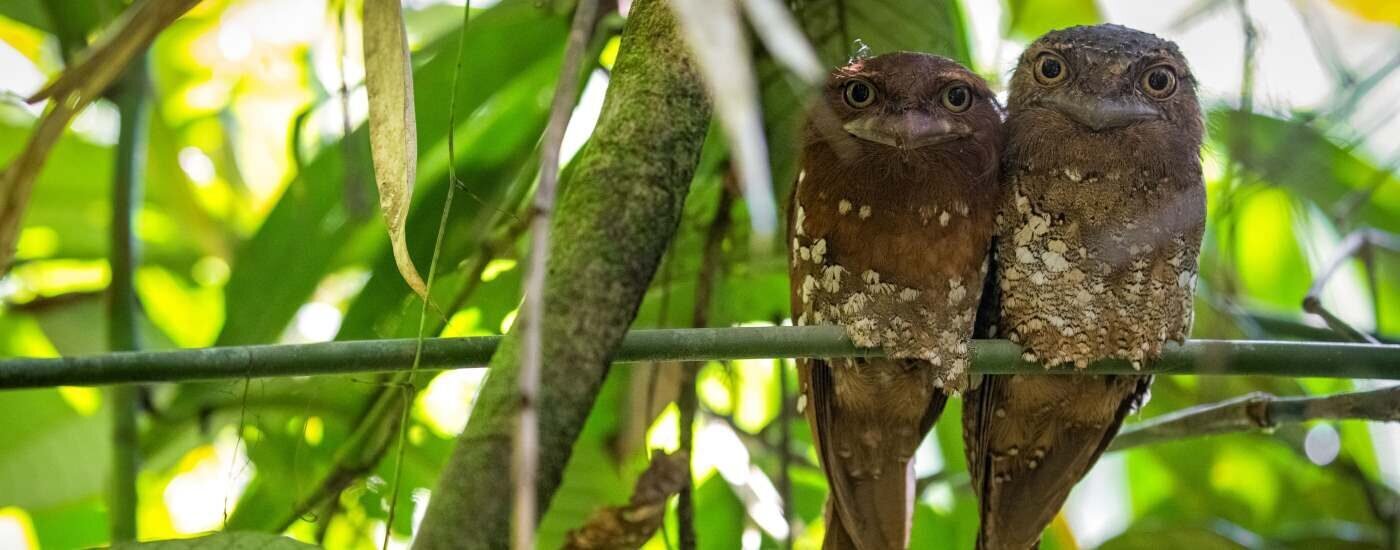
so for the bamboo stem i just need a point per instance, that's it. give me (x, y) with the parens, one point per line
(1197, 357)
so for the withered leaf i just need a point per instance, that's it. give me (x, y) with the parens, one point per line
(393, 134)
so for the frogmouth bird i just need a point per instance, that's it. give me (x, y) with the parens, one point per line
(890, 224)
(1095, 258)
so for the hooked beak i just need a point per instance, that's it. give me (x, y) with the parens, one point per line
(906, 131)
(1104, 114)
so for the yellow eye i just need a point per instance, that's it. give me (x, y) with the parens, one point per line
(859, 93)
(957, 98)
(1051, 69)
(1159, 82)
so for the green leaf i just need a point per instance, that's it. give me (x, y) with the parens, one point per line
(77, 525)
(1296, 155)
(72, 21)
(1179, 537)
(719, 516)
(221, 541)
(1031, 18)
(29, 12)
(884, 25)
(498, 145)
(934, 529)
(38, 466)
(264, 293)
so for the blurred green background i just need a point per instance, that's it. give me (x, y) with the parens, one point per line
(260, 225)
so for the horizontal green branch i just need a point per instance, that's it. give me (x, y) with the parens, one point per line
(1261, 411)
(1204, 357)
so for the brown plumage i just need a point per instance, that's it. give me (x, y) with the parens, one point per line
(1095, 258)
(890, 224)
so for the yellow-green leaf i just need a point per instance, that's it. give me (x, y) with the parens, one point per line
(393, 135)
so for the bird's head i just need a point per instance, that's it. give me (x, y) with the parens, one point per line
(1109, 80)
(911, 105)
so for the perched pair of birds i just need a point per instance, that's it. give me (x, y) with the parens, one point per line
(921, 218)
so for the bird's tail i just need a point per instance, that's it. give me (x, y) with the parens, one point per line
(871, 512)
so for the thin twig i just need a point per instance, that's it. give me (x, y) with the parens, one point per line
(1359, 243)
(1262, 412)
(527, 438)
(351, 461)
(406, 385)
(785, 457)
(687, 401)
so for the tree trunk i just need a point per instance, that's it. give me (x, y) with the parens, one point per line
(617, 212)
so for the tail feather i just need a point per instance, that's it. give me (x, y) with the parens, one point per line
(872, 512)
(866, 445)
(1029, 441)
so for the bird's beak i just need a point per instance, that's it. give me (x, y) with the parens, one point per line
(1099, 114)
(907, 131)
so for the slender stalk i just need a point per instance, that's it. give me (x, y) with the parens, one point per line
(1359, 244)
(122, 305)
(527, 438)
(785, 457)
(687, 402)
(405, 383)
(1197, 357)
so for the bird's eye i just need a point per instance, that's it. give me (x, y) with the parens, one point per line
(1050, 69)
(957, 98)
(1159, 82)
(859, 93)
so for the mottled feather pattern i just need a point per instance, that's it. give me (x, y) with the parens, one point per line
(890, 243)
(1119, 283)
(1095, 257)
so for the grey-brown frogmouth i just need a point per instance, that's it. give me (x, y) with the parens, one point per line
(1096, 253)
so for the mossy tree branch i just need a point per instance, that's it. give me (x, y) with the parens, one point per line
(617, 211)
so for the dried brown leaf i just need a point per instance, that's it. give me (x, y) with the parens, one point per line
(632, 525)
(393, 134)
